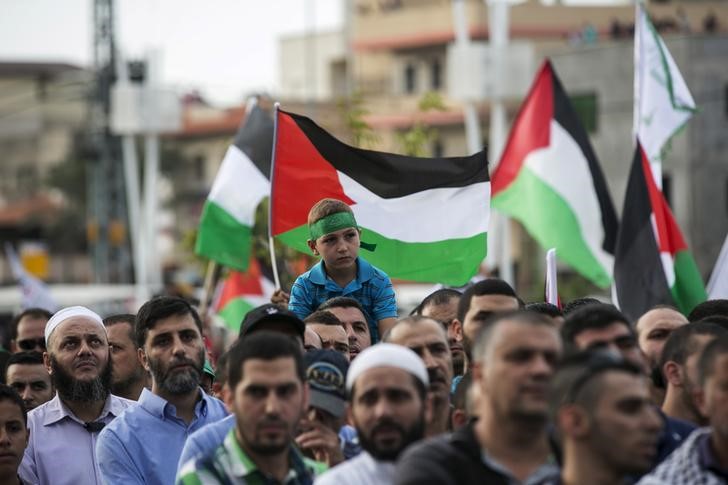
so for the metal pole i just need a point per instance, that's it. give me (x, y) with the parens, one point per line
(498, 33)
(470, 112)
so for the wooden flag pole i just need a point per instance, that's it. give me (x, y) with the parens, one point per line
(273, 262)
(207, 289)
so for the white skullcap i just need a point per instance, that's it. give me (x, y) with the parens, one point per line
(70, 312)
(387, 355)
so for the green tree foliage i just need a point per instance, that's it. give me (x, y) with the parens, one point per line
(415, 141)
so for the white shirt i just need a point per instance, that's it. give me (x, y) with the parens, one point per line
(360, 470)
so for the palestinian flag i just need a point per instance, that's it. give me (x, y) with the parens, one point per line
(427, 216)
(652, 263)
(550, 180)
(241, 183)
(241, 292)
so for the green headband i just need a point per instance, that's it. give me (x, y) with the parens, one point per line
(336, 222)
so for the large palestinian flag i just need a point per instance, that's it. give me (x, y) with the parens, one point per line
(550, 180)
(241, 183)
(427, 216)
(652, 262)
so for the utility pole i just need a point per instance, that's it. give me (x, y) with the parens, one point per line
(105, 180)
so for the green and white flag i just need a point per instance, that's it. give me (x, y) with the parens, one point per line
(662, 101)
(226, 225)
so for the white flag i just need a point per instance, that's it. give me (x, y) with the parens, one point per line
(35, 293)
(718, 284)
(552, 288)
(662, 101)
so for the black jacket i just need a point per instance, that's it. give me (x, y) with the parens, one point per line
(449, 459)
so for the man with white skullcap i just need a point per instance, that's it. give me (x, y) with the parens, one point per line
(64, 430)
(387, 404)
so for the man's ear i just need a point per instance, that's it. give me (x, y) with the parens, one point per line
(312, 246)
(143, 359)
(13, 347)
(455, 330)
(573, 421)
(47, 362)
(349, 415)
(227, 397)
(673, 373)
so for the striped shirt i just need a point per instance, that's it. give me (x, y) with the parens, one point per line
(229, 465)
(372, 288)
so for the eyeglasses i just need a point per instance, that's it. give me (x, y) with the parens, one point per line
(32, 343)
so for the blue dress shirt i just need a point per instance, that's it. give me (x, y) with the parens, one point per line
(144, 444)
(61, 450)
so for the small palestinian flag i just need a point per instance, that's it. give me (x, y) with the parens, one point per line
(241, 183)
(652, 263)
(427, 216)
(550, 180)
(241, 292)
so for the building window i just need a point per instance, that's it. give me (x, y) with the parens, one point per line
(587, 110)
(667, 187)
(410, 78)
(435, 75)
(199, 163)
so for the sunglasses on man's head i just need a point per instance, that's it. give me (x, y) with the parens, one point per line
(32, 343)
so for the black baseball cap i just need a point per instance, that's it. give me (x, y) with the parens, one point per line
(270, 313)
(326, 376)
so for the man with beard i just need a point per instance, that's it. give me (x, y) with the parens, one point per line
(129, 377)
(64, 431)
(144, 445)
(679, 367)
(514, 359)
(268, 395)
(442, 306)
(426, 338)
(388, 406)
(607, 425)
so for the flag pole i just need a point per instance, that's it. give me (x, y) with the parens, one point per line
(207, 288)
(271, 241)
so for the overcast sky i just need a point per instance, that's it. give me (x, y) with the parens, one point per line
(225, 48)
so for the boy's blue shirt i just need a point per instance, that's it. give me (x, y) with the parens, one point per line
(372, 288)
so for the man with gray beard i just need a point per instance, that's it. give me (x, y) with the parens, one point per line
(64, 431)
(145, 443)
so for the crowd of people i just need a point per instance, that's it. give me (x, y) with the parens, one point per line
(326, 385)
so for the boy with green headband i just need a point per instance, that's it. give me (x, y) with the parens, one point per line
(341, 272)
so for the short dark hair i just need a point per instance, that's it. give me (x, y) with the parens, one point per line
(439, 297)
(709, 308)
(681, 343)
(31, 357)
(7, 393)
(577, 303)
(158, 308)
(548, 309)
(490, 286)
(323, 317)
(578, 378)
(519, 316)
(28, 312)
(264, 345)
(342, 302)
(593, 316)
(411, 320)
(122, 318)
(719, 320)
(706, 363)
